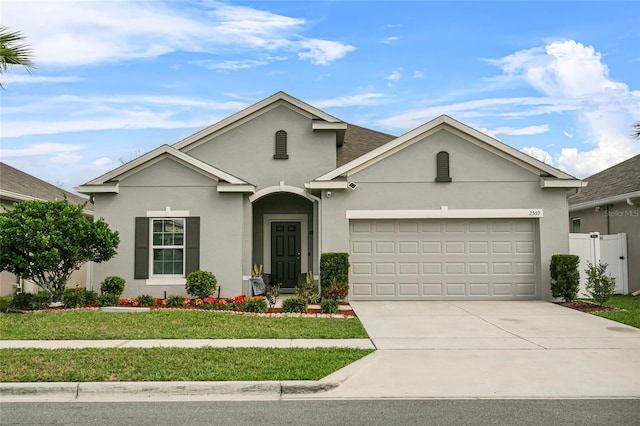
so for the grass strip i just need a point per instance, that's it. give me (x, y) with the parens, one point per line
(168, 324)
(173, 364)
(631, 313)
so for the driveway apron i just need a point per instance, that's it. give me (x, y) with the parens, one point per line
(496, 349)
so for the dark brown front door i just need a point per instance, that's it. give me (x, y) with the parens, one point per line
(285, 253)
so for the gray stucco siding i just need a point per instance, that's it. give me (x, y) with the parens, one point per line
(221, 220)
(247, 151)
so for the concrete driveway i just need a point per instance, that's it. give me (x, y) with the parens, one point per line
(528, 349)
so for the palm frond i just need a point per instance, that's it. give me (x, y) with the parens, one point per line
(13, 51)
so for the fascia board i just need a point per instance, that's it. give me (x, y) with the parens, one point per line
(236, 188)
(103, 188)
(561, 183)
(603, 201)
(332, 184)
(323, 125)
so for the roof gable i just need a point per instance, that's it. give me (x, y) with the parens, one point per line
(265, 105)
(109, 181)
(458, 128)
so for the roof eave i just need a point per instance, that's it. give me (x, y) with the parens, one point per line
(602, 201)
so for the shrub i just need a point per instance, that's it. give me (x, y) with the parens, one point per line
(22, 301)
(5, 303)
(90, 297)
(112, 285)
(108, 300)
(201, 284)
(294, 304)
(146, 300)
(308, 290)
(329, 306)
(565, 277)
(334, 273)
(73, 297)
(256, 304)
(41, 300)
(599, 286)
(174, 301)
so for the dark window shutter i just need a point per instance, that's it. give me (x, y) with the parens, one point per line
(192, 262)
(442, 167)
(281, 145)
(141, 254)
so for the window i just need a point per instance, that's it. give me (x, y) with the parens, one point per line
(575, 225)
(281, 146)
(168, 246)
(442, 167)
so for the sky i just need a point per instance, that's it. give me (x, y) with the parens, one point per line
(116, 79)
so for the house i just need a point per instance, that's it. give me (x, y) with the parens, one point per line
(610, 204)
(443, 212)
(17, 186)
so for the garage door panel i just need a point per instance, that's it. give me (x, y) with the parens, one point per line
(433, 259)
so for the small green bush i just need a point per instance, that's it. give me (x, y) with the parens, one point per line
(73, 297)
(22, 301)
(599, 286)
(334, 275)
(108, 300)
(5, 303)
(256, 305)
(146, 300)
(295, 304)
(201, 284)
(90, 297)
(112, 285)
(175, 301)
(565, 277)
(329, 306)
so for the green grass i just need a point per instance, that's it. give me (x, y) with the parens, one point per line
(171, 324)
(631, 313)
(173, 364)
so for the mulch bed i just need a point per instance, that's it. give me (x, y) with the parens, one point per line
(589, 307)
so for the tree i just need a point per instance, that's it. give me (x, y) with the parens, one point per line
(13, 52)
(45, 241)
(636, 130)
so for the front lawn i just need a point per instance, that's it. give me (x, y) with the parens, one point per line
(630, 314)
(173, 364)
(171, 324)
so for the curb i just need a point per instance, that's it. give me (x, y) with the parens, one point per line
(127, 391)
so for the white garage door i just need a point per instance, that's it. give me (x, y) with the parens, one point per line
(478, 259)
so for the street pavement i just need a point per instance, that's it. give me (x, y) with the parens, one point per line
(524, 349)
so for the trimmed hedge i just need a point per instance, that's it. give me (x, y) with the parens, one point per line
(334, 275)
(565, 276)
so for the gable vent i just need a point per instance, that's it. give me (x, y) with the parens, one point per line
(442, 167)
(281, 146)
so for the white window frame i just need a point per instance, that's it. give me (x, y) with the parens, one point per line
(152, 275)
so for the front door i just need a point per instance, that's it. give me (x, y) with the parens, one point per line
(285, 253)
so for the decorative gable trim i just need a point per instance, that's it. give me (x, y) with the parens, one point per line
(109, 181)
(462, 130)
(255, 110)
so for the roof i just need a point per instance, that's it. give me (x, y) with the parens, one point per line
(445, 122)
(616, 181)
(16, 185)
(109, 181)
(358, 141)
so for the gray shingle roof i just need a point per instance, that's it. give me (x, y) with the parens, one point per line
(23, 184)
(358, 141)
(620, 179)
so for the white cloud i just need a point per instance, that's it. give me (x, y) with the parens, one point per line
(418, 74)
(65, 159)
(34, 79)
(538, 154)
(395, 75)
(349, 101)
(81, 32)
(40, 149)
(103, 162)
(389, 40)
(321, 52)
(518, 131)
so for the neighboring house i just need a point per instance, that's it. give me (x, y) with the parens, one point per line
(442, 212)
(610, 204)
(17, 186)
